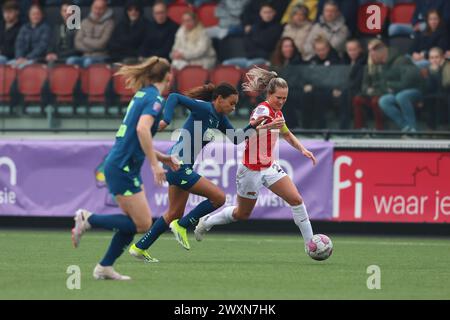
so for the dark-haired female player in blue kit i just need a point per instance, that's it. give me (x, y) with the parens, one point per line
(209, 106)
(123, 164)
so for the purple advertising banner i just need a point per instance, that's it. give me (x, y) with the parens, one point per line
(56, 177)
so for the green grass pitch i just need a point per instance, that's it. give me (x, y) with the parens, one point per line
(33, 265)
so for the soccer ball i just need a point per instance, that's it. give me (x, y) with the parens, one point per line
(319, 247)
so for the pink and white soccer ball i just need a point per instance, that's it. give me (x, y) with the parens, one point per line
(319, 247)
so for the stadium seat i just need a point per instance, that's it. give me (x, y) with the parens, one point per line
(7, 77)
(362, 15)
(94, 82)
(229, 74)
(402, 12)
(190, 77)
(231, 47)
(207, 15)
(176, 11)
(121, 90)
(63, 79)
(31, 80)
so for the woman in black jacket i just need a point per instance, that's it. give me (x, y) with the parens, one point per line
(435, 35)
(128, 34)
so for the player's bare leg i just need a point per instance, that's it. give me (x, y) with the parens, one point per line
(228, 215)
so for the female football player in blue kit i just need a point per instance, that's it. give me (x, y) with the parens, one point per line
(209, 106)
(123, 164)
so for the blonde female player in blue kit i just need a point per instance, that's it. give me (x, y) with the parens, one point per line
(123, 164)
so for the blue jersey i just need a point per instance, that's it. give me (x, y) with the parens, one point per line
(127, 152)
(201, 111)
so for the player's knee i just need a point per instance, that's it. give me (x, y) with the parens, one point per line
(144, 225)
(295, 201)
(218, 200)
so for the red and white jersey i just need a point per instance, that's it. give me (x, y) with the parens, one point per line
(259, 147)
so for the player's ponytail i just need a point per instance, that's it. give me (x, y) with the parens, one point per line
(209, 92)
(152, 70)
(259, 79)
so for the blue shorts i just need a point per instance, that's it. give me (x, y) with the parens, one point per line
(123, 181)
(184, 178)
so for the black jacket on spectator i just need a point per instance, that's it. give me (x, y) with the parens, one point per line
(159, 39)
(62, 42)
(262, 39)
(251, 11)
(356, 74)
(32, 43)
(331, 59)
(8, 39)
(127, 37)
(424, 41)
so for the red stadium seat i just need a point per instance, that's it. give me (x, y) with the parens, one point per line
(402, 13)
(176, 11)
(94, 81)
(362, 16)
(7, 77)
(125, 94)
(190, 77)
(229, 74)
(207, 15)
(31, 79)
(63, 79)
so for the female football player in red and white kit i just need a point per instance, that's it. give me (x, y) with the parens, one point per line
(258, 167)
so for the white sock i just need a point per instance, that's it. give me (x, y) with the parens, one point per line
(301, 219)
(223, 217)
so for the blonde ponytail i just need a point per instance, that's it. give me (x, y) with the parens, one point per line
(259, 79)
(152, 70)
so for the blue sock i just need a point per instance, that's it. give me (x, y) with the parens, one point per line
(191, 219)
(115, 222)
(119, 243)
(158, 228)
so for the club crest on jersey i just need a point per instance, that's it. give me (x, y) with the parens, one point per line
(157, 106)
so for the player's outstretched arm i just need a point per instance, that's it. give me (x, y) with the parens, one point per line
(175, 99)
(143, 130)
(293, 141)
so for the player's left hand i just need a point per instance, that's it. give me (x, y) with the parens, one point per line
(159, 174)
(309, 155)
(172, 162)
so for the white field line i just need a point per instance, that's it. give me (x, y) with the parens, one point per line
(284, 240)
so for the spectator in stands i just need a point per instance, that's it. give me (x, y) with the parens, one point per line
(9, 29)
(33, 39)
(261, 40)
(298, 27)
(357, 60)
(438, 84)
(310, 4)
(93, 37)
(418, 22)
(331, 25)
(318, 97)
(402, 85)
(192, 45)
(251, 14)
(286, 54)
(128, 34)
(228, 12)
(435, 35)
(325, 54)
(62, 44)
(371, 90)
(348, 9)
(160, 33)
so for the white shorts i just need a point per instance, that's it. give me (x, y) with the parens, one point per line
(249, 181)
